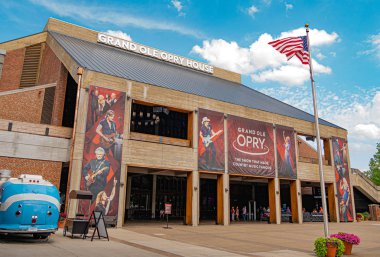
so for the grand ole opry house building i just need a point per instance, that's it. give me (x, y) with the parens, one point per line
(140, 127)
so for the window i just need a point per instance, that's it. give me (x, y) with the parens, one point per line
(158, 120)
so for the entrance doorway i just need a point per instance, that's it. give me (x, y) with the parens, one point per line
(148, 191)
(288, 201)
(251, 194)
(312, 201)
(208, 199)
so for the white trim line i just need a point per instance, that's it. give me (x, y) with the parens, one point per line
(31, 197)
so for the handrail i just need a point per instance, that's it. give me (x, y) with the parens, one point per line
(358, 172)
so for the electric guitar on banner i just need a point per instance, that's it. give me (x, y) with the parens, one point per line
(90, 179)
(209, 139)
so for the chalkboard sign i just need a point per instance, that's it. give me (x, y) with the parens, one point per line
(100, 225)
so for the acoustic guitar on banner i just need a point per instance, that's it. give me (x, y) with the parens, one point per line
(111, 140)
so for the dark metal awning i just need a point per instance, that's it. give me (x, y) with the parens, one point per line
(80, 194)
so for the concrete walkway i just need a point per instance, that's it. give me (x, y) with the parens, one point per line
(239, 239)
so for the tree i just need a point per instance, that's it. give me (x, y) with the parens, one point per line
(374, 167)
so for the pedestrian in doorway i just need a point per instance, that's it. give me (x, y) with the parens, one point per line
(232, 214)
(244, 210)
(237, 213)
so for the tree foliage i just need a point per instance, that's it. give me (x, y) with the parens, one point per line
(374, 167)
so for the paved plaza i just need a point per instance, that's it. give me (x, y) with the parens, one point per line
(242, 239)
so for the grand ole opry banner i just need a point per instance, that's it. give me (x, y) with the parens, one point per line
(342, 179)
(210, 140)
(102, 150)
(250, 147)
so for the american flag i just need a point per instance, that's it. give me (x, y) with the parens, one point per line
(293, 46)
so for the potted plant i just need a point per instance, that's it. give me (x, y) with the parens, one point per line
(348, 240)
(62, 219)
(328, 247)
(366, 215)
(359, 217)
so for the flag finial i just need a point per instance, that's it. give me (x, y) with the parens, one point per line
(306, 25)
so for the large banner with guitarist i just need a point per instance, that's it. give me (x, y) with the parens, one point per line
(102, 149)
(211, 140)
(286, 152)
(250, 147)
(342, 179)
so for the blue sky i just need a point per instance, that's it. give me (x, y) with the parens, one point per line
(345, 40)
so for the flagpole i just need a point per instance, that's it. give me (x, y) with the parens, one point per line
(320, 164)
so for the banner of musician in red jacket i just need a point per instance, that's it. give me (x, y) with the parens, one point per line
(102, 149)
(342, 179)
(211, 140)
(250, 147)
(286, 152)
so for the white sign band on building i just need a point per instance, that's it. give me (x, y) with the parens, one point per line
(154, 53)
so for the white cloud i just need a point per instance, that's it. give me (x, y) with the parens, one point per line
(110, 15)
(288, 6)
(261, 61)
(320, 56)
(317, 37)
(119, 34)
(374, 40)
(370, 131)
(252, 10)
(177, 4)
(357, 112)
(267, 2)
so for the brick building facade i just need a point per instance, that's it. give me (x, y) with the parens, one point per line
(38, 95)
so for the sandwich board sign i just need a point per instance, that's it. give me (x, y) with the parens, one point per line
(168, 210)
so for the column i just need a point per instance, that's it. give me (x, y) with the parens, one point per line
(278, 201)
(272, 200)
(219, 200)
(154, 192)
(124, 169)
(195, 174)
(277, 210)
(226, 178)
(331, 202)
(294, 201)
(189, 198)
(195, 199)
(299, 202)
(122, 193)
(75, 171)
(226, 199)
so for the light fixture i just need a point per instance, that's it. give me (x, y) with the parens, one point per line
(195, 188)
(277, 192)
(226, 190)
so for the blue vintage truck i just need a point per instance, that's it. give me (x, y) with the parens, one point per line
(28, 205)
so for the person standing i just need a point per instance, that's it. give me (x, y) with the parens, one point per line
(237, 213)
(244, 210)
(232, 214)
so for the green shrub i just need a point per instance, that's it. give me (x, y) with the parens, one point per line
(366, 214)
(320, 246)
